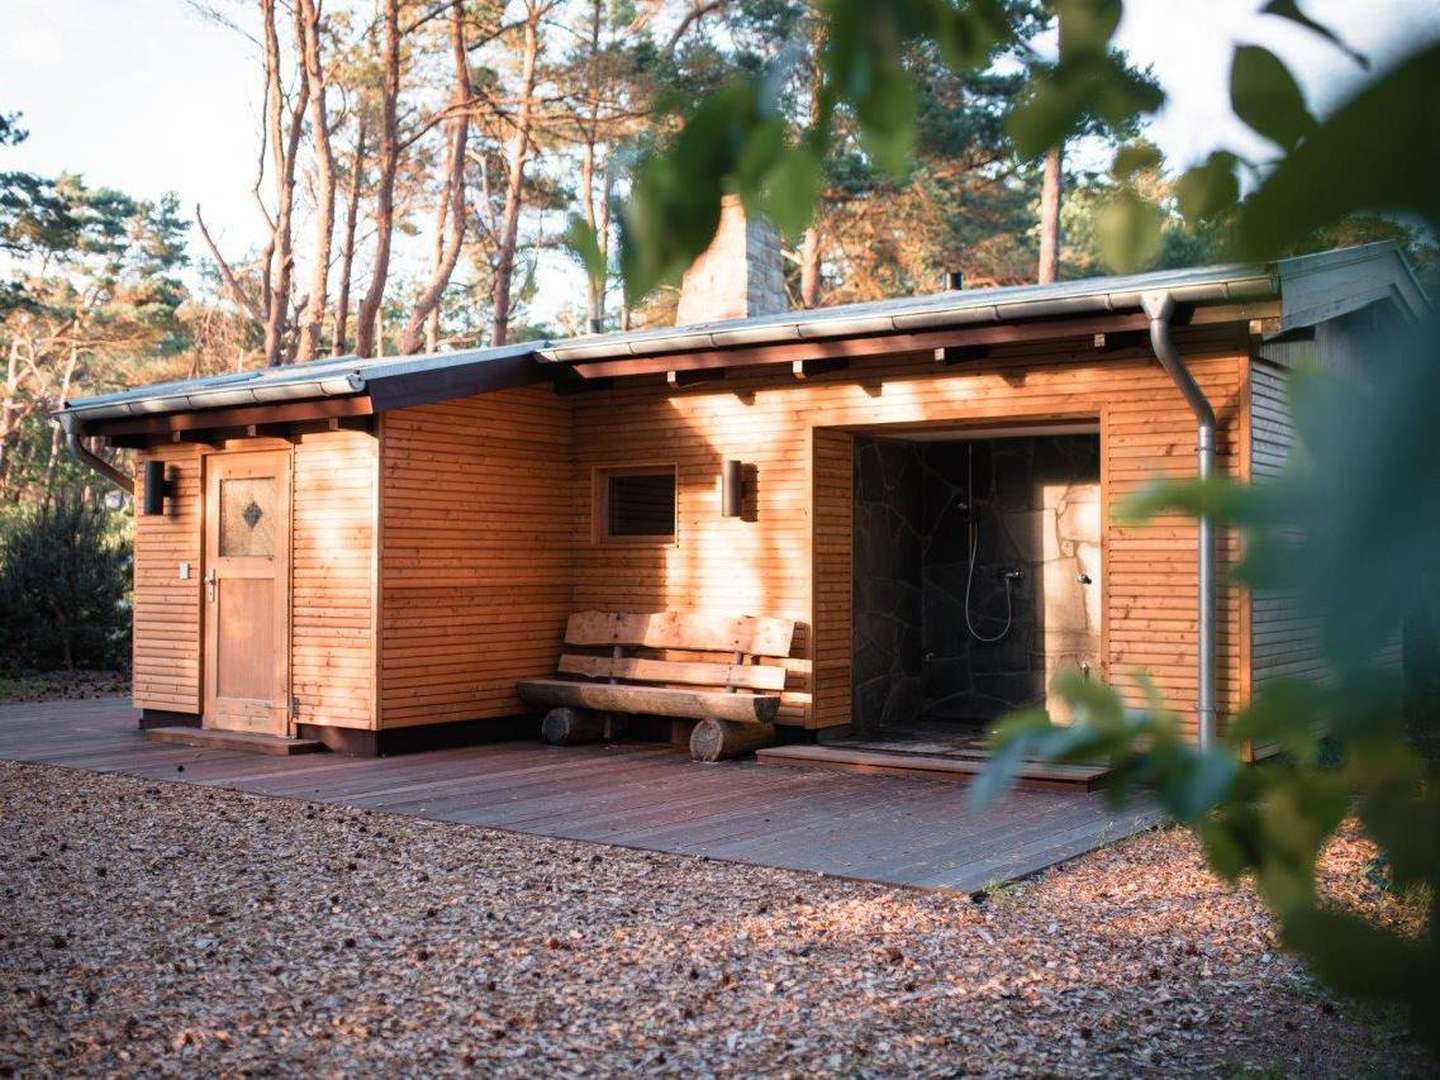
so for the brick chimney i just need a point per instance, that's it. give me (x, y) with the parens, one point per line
(740, 274)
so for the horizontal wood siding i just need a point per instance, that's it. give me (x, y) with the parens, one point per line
(166, 646)
(476, 553)
(1284, 641)
(332, 611)
(833, 539)
(761, 564)
(332, 551)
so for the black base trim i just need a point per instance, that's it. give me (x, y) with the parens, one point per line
(341, 740)
(412, 740)
(422, 737)
(152, 718)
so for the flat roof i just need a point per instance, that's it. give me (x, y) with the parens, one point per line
(1311, 287)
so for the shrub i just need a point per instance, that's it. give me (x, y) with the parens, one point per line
(64, 591)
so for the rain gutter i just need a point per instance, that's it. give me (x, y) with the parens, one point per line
(85, 456)
(965, 312)
(1160, 308)
(220, 397)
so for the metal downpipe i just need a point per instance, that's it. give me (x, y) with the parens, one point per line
(83, 455)
(1160, 308)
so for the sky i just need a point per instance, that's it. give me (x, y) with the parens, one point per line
(149, 97)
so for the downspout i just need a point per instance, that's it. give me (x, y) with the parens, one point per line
(83, 455)
(1160, 307)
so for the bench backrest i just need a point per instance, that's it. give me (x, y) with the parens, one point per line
(753, 635)
(740, 637)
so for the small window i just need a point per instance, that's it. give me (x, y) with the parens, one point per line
(636, 504)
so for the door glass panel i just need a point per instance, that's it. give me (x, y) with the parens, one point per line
(247, 516)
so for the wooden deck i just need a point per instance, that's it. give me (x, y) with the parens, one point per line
(901, 831)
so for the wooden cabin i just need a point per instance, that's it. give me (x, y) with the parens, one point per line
(373, 552)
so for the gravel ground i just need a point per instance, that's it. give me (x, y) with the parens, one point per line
(166, 929)
(63, 686)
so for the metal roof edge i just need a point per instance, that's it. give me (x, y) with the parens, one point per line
(344, 376)
(131, 403)
(1226, 284)
(1401, 284)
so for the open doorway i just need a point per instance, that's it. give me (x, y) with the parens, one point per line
(977, 579)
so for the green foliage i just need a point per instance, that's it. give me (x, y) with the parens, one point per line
(1378, 151)
(580, 238)
(91, 301)
(741, 137)
(64, 588)
(1352, 529)
(1266, 96)
(1290, 9)
(1210, 189)
(1129, 232)
(1090, 84)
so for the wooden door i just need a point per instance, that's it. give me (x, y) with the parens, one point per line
(247, 591)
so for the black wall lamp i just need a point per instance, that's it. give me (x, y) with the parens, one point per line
(732, 489)
(157, 489)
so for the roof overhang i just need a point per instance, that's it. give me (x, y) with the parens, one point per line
(961, 311)
(1286, 296)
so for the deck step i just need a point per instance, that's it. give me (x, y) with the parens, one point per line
(1032, 774)
(216, 739)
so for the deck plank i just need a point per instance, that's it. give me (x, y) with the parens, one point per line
(897, 830)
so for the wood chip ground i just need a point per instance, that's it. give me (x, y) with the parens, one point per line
(163, 929)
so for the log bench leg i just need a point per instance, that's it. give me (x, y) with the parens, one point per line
(716, 740)
(565, 726)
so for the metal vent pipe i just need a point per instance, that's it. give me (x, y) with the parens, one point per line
(1160, 308)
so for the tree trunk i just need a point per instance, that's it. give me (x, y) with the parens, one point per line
(810, 242)
(596, 217)
(810, 268)
(432, 321)
(347, 256)
(369, 312)
(594, 291)
(447, 252)
(515, 183)
(284, 149)
(9, 407)
(311, 321)
(57, 439)
(1050, 217)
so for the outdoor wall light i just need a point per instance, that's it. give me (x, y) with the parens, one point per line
(732, 489)
(157, 488)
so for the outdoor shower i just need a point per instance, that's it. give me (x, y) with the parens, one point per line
(1010, 575)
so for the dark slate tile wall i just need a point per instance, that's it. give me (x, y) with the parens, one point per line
(887, 642)
(915, 659)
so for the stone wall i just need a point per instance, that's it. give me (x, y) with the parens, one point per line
(739, 276)
(887, 634)
(1037, 501)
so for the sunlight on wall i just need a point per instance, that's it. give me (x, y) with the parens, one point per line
(1070, 611)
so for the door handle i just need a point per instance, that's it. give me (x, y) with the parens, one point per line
(210, 580)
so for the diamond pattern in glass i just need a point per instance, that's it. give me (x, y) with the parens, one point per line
(247, 520)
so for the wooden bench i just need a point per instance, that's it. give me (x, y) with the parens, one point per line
(665, 664)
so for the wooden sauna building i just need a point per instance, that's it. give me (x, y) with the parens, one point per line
(373, 552)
